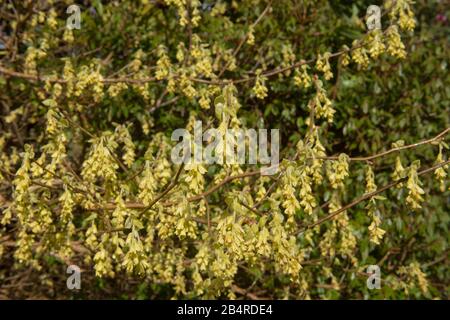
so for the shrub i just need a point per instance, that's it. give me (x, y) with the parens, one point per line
(87, 177)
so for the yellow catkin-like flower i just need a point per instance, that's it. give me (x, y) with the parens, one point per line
(375, 42)
(413, 184)
(102, 259)
(116, 88)
(323, 107)
(370, 180)
(395, 46)
(91, 236)
(230, 235)
(90, 77)
(359, 55)
(135, 260)
(181, 48)
(129, 153)
(204, 100)
(302, 79)
(147, 184)
(69, 76)
(318, 151)
(307, 200)
(163, 64)
(186, 17)
(337, 171)
(194, 178)
(100, 162)
(420, 276)
(136, 63)
(407, 21)
(400, 11)
(68, 36)
(185, 227)
(32, 56)
(399, 171)
(203, 65)
(289, 183)
(229, 59)
(260, 90)
(288, 58)
(375, 232)
(286, 253)
(119, 214)
(51, 19)
(251, 36)
(219, 9)
(413, 277)
(187, 87)
(345, 58)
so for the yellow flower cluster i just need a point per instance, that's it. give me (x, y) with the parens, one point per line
(68, 36)
(163, 64)
(116, 88)
(376, 45)
(441, 173)
(339, 238)
(288, 58)
(302, 79)
(32, 56)
(308, 201)
(375, 232)
(399, 171)
(135, 259)
(51, 19)
(345, 58)
(204, 100)
(370, 180)
(202, 56)
(89, 77)
(359, 55)
(401, 11)
(147, 184)
(188, 13)
(321, 104)
(123, 135)
(102, 259)
(289, 183)
(337, 171)
(187, 87)
(100, 162)
(136, 63)
(286, 253)
(251, 36)
(413, 276)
